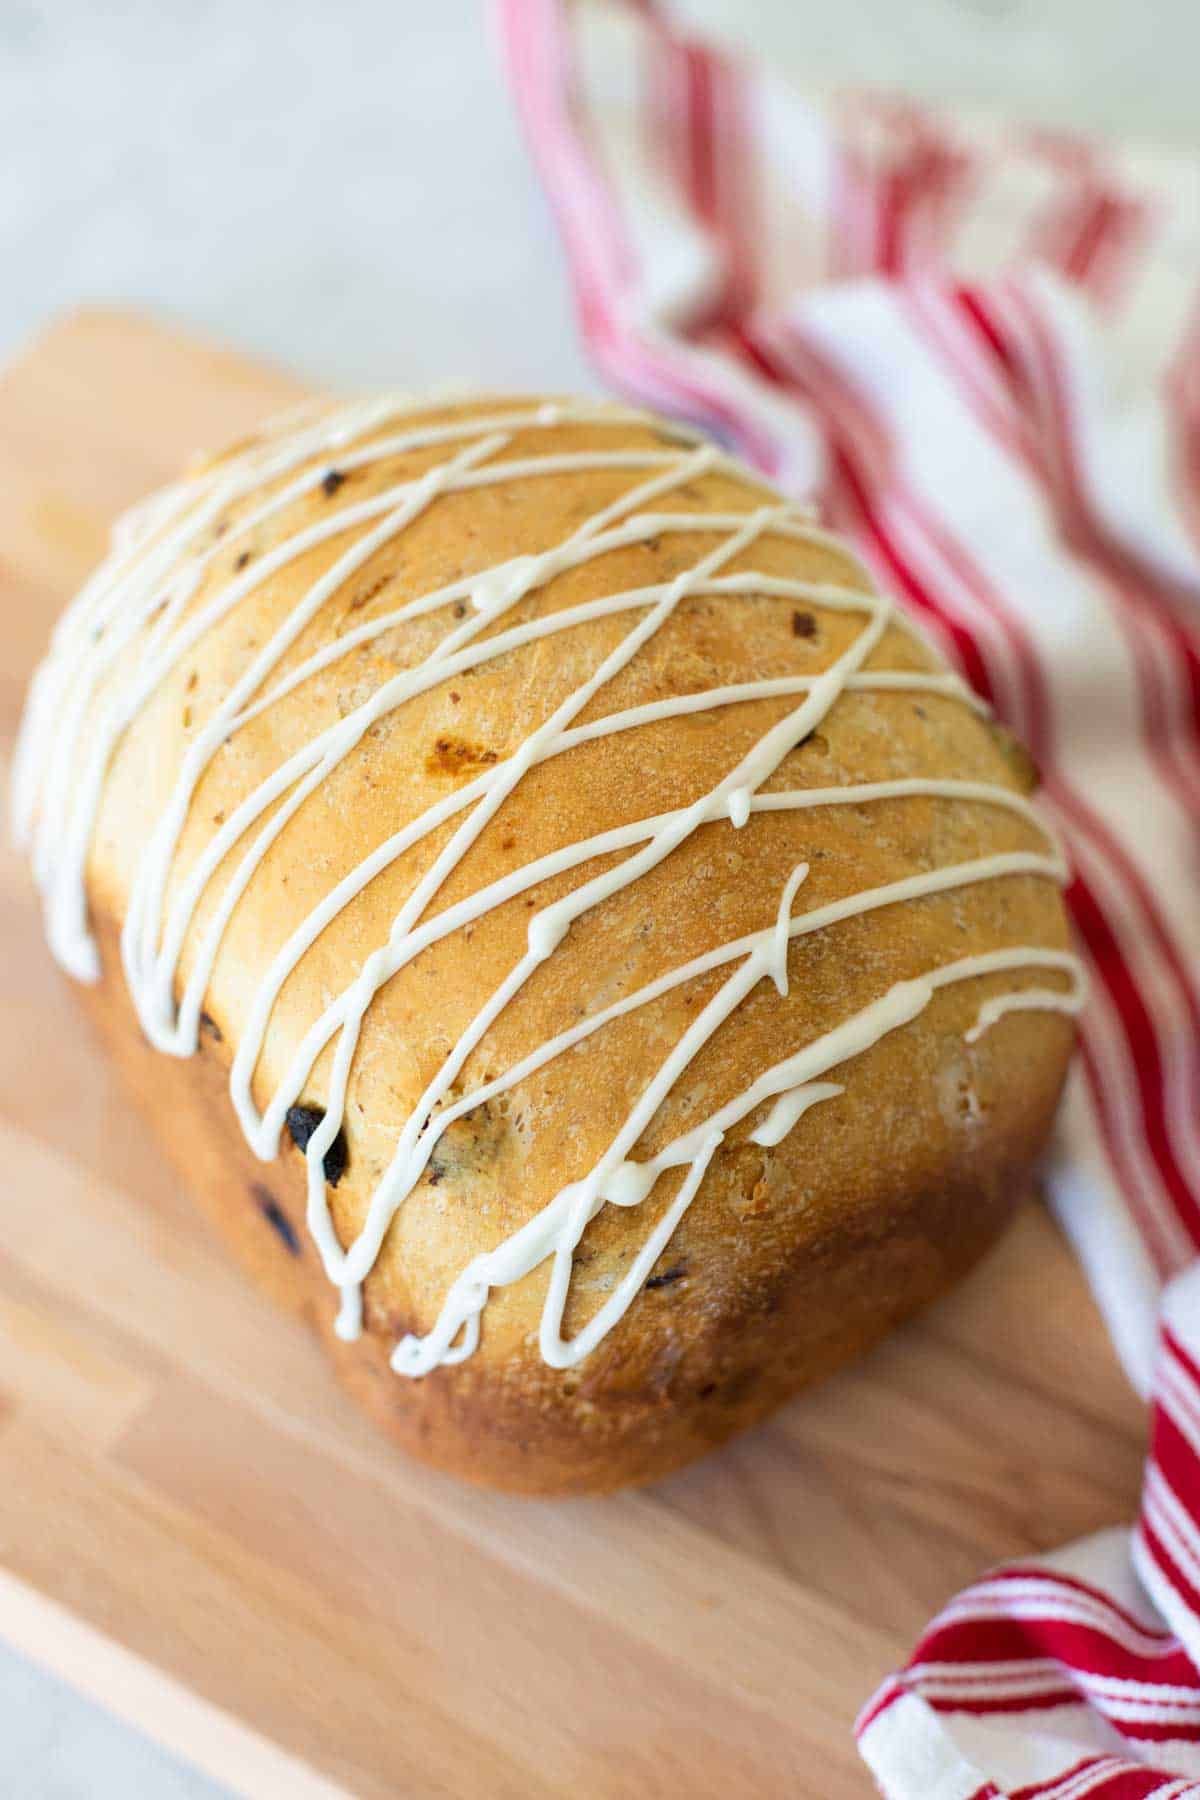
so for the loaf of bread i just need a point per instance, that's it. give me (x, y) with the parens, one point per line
(582, 946)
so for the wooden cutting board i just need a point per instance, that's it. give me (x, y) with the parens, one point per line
(198, 1530)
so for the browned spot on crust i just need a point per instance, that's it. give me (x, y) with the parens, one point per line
(1019, 759)
(365, 594)
(453, 756)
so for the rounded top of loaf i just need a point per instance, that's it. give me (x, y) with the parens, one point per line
(332, 741)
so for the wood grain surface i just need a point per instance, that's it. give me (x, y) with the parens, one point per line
(195, 1526)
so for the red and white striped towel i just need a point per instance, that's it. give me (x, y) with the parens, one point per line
(981, 350)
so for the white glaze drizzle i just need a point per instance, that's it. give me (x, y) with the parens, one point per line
(136, 607)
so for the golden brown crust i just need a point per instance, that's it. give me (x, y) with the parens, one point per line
(791, 1259)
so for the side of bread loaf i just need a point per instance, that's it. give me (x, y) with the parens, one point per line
(644, 938)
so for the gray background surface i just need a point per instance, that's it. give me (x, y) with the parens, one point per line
(341, 186)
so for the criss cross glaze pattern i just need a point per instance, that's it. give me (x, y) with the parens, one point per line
(133, 623)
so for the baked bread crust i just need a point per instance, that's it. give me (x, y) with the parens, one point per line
(792, 1256)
